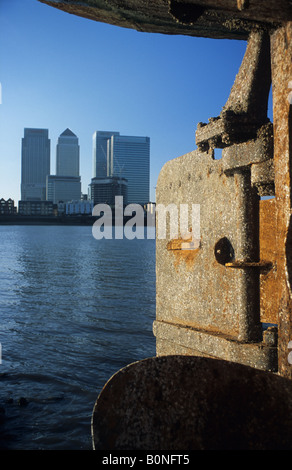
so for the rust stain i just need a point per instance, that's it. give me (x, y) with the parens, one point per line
(176, 244)
(181, 254)
(269, 287)
(186, 256)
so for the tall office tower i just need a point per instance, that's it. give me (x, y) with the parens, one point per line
(67, 154)
(35, 164)
(129, 157)
(99, 141)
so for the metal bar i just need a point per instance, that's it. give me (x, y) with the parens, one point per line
(249, 264)
(248, 251)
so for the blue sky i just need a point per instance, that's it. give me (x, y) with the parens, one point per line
(58, 70)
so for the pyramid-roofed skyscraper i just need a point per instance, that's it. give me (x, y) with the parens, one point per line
(65, 186)
(67, 154)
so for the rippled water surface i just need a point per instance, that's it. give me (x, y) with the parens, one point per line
(73, 311)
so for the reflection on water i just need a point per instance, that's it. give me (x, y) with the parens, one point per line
(74, 310)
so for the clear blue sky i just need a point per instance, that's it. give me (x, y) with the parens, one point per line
(59, 70)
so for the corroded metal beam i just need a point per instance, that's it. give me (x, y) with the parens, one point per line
(246, 108)
(281, 59)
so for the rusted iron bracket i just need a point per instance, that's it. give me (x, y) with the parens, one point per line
(246, 108)
(216, 300)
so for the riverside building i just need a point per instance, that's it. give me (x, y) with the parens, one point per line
(35, 164)
(100, 157)
(65, 186)
(67, 154)
(122, 157)
(7, 207)
(104, 190)
(129, 157)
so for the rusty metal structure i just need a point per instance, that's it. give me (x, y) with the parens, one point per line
(212, 301)
(220, 295)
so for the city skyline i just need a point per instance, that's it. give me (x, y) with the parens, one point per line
(60, 70)
(126, 157)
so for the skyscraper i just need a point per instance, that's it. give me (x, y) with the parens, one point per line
(67, 154)
(35, 164)
(66, 184)
(129, 157)
(99, 141)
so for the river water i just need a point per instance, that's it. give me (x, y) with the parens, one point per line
(73, 311)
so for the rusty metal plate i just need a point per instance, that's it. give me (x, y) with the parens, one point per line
(194, 287)
(189, 403)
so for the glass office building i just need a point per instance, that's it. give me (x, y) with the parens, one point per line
(129, 157)
(35, 164)
(105, 190)
(63, 188)
(67, 154)
(99, 146)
